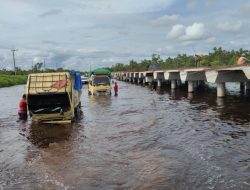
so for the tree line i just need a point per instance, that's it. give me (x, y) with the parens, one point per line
(218, 57)
(36, 68)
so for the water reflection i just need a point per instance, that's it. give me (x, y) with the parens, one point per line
(234, 106)
(101, 100)
(173, 92)
(190, 95)
(139, 140)
(220, 102)
(42, 135)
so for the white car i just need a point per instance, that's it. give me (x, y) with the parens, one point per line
(85, 80)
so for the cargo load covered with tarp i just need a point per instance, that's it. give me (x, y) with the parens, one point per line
(101, 71)
(78, 81)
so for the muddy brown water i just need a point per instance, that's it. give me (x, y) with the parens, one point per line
(139, 140)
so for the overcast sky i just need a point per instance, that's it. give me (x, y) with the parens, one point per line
(75, 34)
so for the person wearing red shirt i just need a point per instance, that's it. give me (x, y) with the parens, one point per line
(116, 89)
(22, 110)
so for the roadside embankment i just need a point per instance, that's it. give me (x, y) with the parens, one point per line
(11, 80)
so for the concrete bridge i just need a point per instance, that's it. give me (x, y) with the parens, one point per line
(193, 77)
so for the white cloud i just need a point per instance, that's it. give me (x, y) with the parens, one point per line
(38, 60)
(176, 32)
(166, 20)
(75, 33)
(230, 26)
(196, 31)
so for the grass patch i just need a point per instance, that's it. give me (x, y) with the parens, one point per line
(11, 80)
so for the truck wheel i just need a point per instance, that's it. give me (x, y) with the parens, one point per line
(78, 112)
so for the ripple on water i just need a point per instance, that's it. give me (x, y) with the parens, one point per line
(138, 140)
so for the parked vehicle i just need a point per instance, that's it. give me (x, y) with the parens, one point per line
(54, 97)
(99, 83)
(85, 80)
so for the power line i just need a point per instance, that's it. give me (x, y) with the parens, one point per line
(13, 53)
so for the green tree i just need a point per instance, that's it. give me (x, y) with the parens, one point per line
(37, 67)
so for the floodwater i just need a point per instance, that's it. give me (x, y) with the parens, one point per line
(139, 140)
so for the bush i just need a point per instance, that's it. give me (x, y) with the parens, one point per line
(11, 80)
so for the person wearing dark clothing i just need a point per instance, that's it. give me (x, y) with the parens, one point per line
(22, 110)
(116, 89)
(197, 59)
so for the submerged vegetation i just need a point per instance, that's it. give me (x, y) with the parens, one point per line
(218, 57)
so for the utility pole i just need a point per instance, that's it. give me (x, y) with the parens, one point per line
(13, 53)
(32, 67)
(44, 63)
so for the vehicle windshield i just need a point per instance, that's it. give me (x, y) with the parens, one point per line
(101, 80)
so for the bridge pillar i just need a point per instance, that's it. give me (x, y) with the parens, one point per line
(138, 81)
(178, 82)
(195, 84)
(202, 83)
(190, 86)
(221, 89)
(144, 82)
(242, 86)
(150, 84)
(173, 84)
(159, 83)
(190, 95)
(247, 86)
(173, 92)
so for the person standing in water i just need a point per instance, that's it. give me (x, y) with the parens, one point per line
(22, 110)
(116, 89)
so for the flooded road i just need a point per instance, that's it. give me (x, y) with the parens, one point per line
(139, 140)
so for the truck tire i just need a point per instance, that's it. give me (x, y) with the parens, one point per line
(77, 112)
